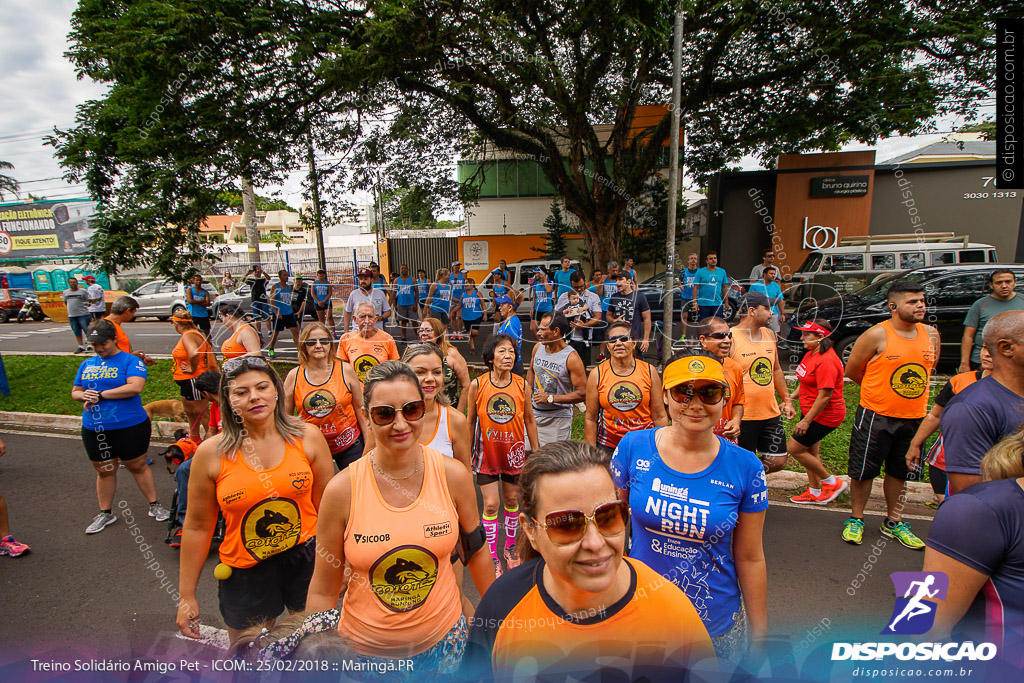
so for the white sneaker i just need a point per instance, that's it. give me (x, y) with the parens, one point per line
(102, 521)
(159, 512)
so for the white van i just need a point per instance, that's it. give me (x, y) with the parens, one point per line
(520, 273)
(859, 261)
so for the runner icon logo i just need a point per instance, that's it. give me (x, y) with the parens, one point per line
(909, 381)
(914, 612)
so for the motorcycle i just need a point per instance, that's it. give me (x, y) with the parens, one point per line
(31, 309)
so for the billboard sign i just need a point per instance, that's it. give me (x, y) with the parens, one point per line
(42, 230)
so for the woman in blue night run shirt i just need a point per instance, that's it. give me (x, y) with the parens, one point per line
(115, 428)
(543, 299)
(697, 505)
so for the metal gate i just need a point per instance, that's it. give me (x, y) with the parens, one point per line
(428, 253)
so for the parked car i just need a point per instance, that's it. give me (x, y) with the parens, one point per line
(161, 298)
(654, 289)
(519, 274)
(11, 301)
(949, 290)
(239, 296)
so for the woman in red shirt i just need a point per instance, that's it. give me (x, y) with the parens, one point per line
(823, 408)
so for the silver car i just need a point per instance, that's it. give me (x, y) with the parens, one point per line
(161, 298)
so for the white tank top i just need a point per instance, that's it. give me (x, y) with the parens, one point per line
(442, 439)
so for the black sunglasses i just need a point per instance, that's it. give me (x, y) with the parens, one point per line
(709, 393)
(322, 341)
(244, 361)
(566, 527)
(719, 335)
(385, 415)
(619, 338)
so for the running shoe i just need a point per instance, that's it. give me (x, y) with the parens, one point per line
(175, 541)
(853, 531)
(159, 512)
(270, 353)
(497, 567)
(102, 521)
(831, 492)
(805, 498)
(511, 557)
(80, 349)
(901, 532)
(9, 546)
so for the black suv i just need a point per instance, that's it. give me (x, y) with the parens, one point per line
(949, 292)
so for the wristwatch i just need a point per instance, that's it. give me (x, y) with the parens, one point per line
(551, 399)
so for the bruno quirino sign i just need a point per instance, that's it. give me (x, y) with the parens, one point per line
(46, 229)
(840, 186)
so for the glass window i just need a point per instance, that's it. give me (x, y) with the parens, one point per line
(912, 259)
(992, 255)
(883, 262)
(148, 288)
(942, 258)
(844, 262)
(168, 287)
(811, 264)
(524, 276)
(958, 290)
(972, 256)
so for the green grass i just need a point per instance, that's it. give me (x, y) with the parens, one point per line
(42, 384)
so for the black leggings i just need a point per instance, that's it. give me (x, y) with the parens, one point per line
(938, 479)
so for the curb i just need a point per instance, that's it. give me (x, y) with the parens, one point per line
(917, 491)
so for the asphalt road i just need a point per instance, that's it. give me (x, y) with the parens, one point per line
(78, 596)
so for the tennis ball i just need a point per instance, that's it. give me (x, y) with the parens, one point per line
(222, 572)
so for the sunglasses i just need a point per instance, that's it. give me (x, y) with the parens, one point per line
(566, 527)
(244, 361)
(708, 393)
(719, 335)
(322, 341)
(619, 338)
(385, 415)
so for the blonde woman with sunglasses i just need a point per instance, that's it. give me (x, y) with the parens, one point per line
(698, 504)
(575, 594)
(394, 517)
(326, 393)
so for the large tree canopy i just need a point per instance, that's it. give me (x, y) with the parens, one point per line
(555, 81)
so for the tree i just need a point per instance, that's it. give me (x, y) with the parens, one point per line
(8, 185)
(410, 207)
(555, 247)
(986, 128)
(230, 201)
(560, 82)
(646, 224)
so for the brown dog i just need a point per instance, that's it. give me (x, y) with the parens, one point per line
(171, 408)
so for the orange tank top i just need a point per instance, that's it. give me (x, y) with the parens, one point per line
(329, 407)
(231, 348)
(265, 511)
(499, 444)
(758, 361)
(896, 383)
(182, 368)
(736, 396)
(402, 596)
(625, 402)
(122, 338)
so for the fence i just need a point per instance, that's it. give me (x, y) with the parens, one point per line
(428, 253)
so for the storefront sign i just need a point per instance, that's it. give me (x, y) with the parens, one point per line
(46, 229)
(476, 255)
(840, 186)
(820, 236)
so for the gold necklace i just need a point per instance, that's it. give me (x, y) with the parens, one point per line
(392, 478)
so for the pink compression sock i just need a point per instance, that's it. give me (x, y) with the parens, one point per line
(491, 531)
(511, 526)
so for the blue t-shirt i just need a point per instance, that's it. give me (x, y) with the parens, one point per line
(771, 290)
(405, 296)
(709, 286)
(513, 328)
(100, 374)
(499, 291)
(379, 284)
(471, 307)
(541, 298)
(602, 291)
(996, 510)
(442, 301)
(321, 292)
(422, 289)
(562, 281)
(682, 523)
(197, 310)
(687, 279)
(283, 298)
(504, 273)
(974, 420)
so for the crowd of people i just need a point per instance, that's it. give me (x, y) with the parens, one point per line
(357, 475)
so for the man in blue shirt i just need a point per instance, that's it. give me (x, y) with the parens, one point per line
(378, 281)
(458, 283)
(686, 277)
(422, 289)
(511, 326)
(197, 299)
(771, 289)
(405, 299)
(710, 288)
(563, 278)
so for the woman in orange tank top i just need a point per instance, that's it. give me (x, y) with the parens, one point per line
(244, 341)
(500, 415)
(192, 356)
(321, 390)
(266, 472)
(623, 393)
(394, 518)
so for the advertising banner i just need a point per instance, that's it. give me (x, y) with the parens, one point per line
(41, 230)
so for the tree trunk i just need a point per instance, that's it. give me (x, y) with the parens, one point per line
(252, 232)
(601, 234)
(318, 224)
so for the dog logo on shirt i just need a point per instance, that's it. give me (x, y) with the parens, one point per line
(270, 527)
(624, 396)
(501, 408)
(364, 364)
(319, 403)
(761, 371)
(403, 577)
(910, 380)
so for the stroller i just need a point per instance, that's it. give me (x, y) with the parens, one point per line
(175, 456)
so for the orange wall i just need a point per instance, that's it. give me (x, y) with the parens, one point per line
(793, 202)
(512, 248)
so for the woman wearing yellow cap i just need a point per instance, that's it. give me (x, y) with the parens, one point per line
(697, 505)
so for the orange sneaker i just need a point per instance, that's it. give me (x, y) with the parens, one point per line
(805, 498)
(830, 493)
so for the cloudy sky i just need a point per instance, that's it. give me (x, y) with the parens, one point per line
(42, 92)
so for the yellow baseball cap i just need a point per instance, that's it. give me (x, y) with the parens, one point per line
(693, 368)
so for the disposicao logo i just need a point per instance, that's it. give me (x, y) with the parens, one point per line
(913, 614)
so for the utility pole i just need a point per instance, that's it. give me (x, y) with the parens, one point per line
(318, 225)
(673, 191)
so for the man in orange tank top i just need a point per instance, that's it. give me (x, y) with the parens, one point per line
(891, 362)
(366, 346)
